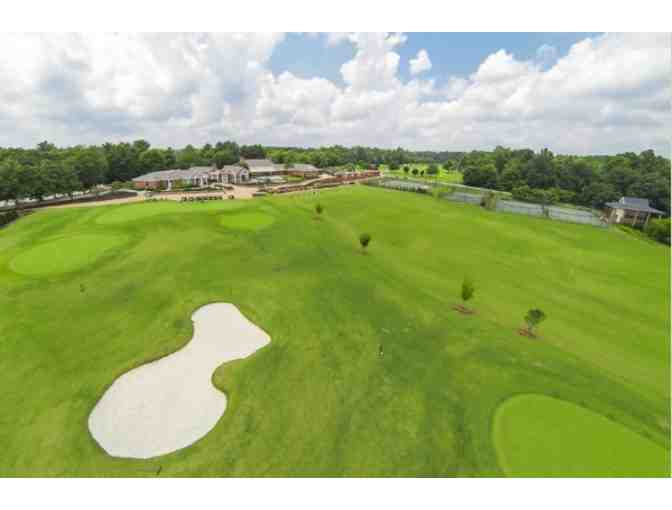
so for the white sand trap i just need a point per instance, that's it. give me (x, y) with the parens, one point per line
(170, 403)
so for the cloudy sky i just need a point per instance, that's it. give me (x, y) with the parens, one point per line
(573, 93)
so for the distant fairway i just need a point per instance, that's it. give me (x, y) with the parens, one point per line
(141, 211)
(538, 434)
(89, 293)
(64, 254)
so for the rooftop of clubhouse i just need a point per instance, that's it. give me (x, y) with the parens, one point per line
(245, 171)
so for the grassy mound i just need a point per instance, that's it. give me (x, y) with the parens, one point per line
(536, 435)
(65, 254)
(320, 399)
(132, 212)
(247, 221)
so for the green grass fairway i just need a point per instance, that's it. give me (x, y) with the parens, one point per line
(141, 211)
(248, 220)
(536, 433)
(319, 400)
(64, 254)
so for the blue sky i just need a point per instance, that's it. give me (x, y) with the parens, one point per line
(452, 54)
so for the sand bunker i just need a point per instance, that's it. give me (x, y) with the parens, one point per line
(170, 403)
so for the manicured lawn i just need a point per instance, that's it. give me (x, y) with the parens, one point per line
(319, 400)
(536, 433)
(444, 176)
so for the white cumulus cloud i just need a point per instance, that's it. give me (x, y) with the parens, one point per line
(420, 63)
(609, 93)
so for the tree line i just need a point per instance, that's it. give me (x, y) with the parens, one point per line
(583, 180)
(48, 170)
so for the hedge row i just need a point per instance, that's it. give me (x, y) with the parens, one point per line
(8, 217)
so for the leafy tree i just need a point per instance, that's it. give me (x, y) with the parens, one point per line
(502, 156)
(364, 240)
(90, 165)
(539, 172)
(152, 160)
(59, 178)
(511, 177)
(406, 169)
(659, 230)
(467, 290)
(10, 170)
(432, 169)
(654, 187)
(414, 171)
(252, 152)
(140, 146)
(480, 176)
(597, 194)
(225, 157)
(533, 318)
(188, 157)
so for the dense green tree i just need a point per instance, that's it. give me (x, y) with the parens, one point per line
(152, 160)
(597, 194)
(539, 172)
(654, 187)
(10, 175)
(90, 166)
(252, 151)
(480, 176)
(511, 177)
(225, 157)
(59, 178)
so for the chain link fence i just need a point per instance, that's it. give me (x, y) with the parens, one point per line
(553, 212)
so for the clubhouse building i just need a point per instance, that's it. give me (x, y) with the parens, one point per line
(253, 171)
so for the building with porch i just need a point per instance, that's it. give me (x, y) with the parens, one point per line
(632, 211)
(200, 176)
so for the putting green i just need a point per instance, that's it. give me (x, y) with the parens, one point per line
(536, 435)
(247, 221)
(65, 254)
(131, 212)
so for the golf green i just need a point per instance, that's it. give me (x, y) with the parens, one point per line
(371, 372)
(247, 221)
(537, 434)
(65, 254)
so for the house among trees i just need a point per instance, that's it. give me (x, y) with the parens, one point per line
(631, 211)
(194, 176)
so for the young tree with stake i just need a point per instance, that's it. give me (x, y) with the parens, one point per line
(533, 318)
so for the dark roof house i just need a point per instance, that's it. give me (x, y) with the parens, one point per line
(631, 211)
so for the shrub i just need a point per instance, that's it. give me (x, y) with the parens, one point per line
(534, 195)
(489, 201)
(533, 318)
(7, 217)
(364, 240)
(467, 289)
(319, 209)
(658, 230)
